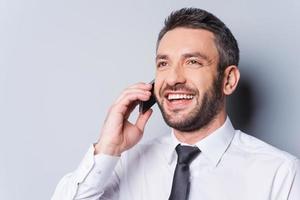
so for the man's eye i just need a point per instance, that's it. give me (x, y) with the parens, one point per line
(162, 64)
(194, 62)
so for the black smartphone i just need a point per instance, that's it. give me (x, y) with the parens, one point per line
(146, 105)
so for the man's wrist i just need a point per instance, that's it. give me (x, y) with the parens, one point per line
(108, 150)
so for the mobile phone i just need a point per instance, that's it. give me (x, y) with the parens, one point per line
(146, 105)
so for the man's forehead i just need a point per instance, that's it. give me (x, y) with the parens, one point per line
(187, 41)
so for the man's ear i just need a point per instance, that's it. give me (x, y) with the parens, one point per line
(231, 79)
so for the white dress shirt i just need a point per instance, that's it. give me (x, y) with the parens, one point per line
(231, 166)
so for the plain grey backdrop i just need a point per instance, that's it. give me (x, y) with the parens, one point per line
(63, 62)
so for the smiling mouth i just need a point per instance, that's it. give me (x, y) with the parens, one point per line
(178, 100)
(176, 97)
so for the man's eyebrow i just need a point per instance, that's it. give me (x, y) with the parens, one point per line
(195, 54)
(186, 55)
(161, 56)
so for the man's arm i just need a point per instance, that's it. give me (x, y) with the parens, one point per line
(97, 174)
(94, 176)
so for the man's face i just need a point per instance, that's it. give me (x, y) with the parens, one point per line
(187, 89)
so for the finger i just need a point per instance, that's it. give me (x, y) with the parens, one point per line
(130, 109)
(130, 91)
(145, 86)
(130, 97)
(128, 101)
(142, 119)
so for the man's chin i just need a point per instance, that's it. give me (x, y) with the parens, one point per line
(177, 114)
(179, 125)
(178, 110)
(176, 117)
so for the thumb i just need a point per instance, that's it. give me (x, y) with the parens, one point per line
(142, 119)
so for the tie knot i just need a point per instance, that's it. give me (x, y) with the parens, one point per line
(186, 153)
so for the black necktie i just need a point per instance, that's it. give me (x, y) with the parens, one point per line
(180, 186)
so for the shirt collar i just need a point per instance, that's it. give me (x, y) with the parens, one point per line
(213, 146)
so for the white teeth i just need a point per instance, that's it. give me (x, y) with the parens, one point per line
(179, 96)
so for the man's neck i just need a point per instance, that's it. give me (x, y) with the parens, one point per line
(196, 136)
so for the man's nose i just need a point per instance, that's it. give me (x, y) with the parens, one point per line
(176, 75)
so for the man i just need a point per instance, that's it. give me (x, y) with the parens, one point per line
(204, 157)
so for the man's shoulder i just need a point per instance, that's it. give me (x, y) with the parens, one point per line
(255, 148)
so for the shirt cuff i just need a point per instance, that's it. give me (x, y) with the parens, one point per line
(95, 169)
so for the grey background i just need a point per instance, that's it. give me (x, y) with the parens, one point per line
(62, 63)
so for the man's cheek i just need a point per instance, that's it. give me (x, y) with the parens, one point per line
(157, 86)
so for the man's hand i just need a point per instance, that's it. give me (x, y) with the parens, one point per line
(118, 134)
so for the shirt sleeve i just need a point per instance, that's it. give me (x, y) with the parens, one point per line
(295, 186)
(94, 177)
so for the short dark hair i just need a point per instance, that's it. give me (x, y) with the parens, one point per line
(196, 18)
